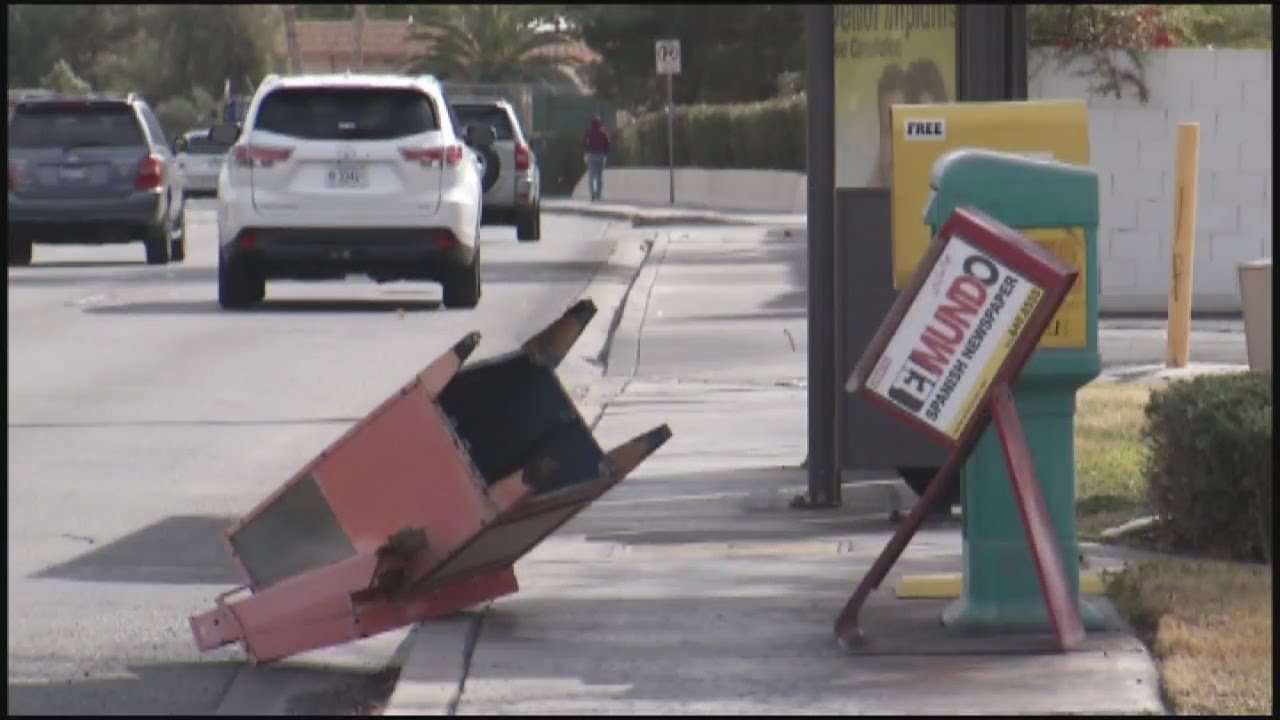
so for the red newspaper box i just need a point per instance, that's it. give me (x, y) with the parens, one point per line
(424, 506)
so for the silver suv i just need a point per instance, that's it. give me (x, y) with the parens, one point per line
(512, 183)
(92, 170)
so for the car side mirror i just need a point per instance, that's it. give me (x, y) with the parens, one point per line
(481, 136)
(224, 133)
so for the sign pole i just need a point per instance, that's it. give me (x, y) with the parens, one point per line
(671, 144)
(667, 55)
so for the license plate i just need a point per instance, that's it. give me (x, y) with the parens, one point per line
(347, 176)
(74, 173)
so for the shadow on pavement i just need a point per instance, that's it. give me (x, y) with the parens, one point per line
(79, 425)
(161, 689)
(746, 641)
(136, 274)
(83, 264)
(507, 271)
(184, 549)
(210, 307)
(729, 506)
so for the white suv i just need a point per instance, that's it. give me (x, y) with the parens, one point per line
(334, 175)
(512, 192)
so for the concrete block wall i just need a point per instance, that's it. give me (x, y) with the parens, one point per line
(758, 191)
(1133, 146)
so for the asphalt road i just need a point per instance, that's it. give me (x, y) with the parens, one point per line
(143, 420)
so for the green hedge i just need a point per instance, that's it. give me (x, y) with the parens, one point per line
(767, 135)
(1209, 469)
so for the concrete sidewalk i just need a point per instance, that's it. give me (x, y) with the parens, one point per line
(660, 215)
(692, 588)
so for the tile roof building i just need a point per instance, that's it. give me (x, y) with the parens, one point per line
(329, 46)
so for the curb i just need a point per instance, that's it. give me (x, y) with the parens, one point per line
(659, 218)
(609, 289)
(438, 651)
(624, 355)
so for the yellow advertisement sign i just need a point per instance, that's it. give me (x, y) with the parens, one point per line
(1005, 344)
(1070, 325)
(1052, 129)
(885, 55)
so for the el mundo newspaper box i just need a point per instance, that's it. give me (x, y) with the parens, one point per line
(1055, 205)
(943, 362)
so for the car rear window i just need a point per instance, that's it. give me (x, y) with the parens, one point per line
(486, 115)
(57, 126)
(347, 113)
(202, 145)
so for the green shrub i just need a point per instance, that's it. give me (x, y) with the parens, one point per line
(1209, 469)
(768, 135)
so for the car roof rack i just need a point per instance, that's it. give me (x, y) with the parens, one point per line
(53, 96)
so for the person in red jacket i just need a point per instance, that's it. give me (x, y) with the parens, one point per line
(595, 143)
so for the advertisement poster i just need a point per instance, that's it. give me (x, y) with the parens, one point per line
(886, 54)
(954, 337)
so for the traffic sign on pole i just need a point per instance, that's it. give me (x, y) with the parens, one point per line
(668, 58)
(668, 55)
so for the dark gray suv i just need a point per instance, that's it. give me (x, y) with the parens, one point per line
(92, 170)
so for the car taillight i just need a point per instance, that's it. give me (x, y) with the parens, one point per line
(450, 155)
(259, 155)
(150, 173)
(18, 172)
(522, 157)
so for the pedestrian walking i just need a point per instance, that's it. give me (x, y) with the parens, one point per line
(595, 143)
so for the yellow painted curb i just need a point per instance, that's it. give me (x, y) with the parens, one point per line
(947, 585)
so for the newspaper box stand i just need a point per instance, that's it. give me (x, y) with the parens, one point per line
(944, 360)
(1056, 205)
(424, 506)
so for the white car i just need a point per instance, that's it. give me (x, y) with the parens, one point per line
(512, 181)
(199, 160)
(335, 175)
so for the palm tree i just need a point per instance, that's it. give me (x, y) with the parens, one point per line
(490, 44)
(291, 38)
(359, 35)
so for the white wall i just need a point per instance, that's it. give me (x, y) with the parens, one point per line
(757, 191)
(1133, 148)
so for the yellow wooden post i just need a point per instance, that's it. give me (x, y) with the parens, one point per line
(1184, 244)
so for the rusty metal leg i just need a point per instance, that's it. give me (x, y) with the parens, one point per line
(624, 458)
(442, 369)
(1059, 599)
(549, 346)
(847, 632)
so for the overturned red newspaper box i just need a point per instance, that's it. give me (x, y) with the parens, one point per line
(943, 362)
(423, 507)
